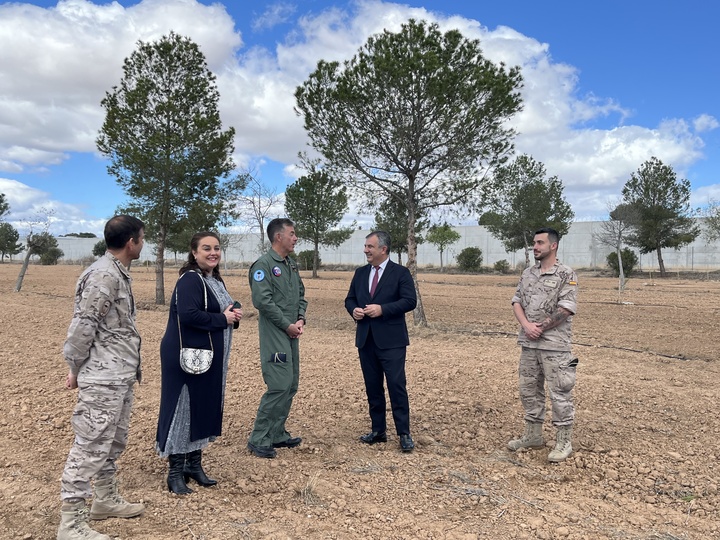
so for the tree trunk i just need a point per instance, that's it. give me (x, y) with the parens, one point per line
(23, 269)
(315, 260)
(621, 274)
(441, 260)
(160, 269)
(419, 312)
(661, 263)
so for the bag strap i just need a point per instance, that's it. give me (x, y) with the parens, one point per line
(178, 314)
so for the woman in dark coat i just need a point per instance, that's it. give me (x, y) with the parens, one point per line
(191, 406)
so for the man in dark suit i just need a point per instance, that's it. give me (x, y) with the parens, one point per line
(381, 292)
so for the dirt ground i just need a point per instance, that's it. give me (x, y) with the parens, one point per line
(646, 435)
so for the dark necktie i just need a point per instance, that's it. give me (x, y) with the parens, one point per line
(373, 286)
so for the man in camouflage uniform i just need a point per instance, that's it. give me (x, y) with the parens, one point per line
(544, 303)
(103, 352)
(279, 296)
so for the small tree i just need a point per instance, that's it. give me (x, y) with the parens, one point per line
(253, 205)
(627, 261)
(316, 203)
(470, 259)
(163, 135)
(36, 243)
(712, 222)
(442, 236)
(521, 201)
(9, 244)
(661, 204)
(613, 232)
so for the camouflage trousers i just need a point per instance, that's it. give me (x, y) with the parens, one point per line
(100, 421)
(558, 369)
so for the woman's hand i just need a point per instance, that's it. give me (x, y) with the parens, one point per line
(233, 315)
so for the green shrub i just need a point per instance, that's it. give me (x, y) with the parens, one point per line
(629, 261)
(305, 259)
(470, 259)
(502, 266)
(51, 256)
(99, 248)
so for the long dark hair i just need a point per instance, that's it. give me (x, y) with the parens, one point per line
(191, 263)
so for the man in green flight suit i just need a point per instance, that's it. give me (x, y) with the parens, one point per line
(278, 294)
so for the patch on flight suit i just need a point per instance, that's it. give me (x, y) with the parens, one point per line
(552, 283)
(259, 275)
(276, 271)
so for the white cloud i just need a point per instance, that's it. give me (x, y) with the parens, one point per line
(705, 122)
(273, 15)
(29, 205)
(57, 64)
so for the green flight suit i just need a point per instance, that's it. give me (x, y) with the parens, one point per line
(278, 294)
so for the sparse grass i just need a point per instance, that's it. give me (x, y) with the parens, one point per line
(308, 493)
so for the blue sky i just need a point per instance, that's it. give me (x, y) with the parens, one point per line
(607, 86)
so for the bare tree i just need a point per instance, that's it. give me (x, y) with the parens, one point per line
(36, 241)
(612, 233)
(253, 205)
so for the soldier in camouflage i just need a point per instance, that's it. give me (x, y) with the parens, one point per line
(544, 304)
(103, 352)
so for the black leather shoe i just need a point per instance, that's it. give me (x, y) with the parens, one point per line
(374, 437)
(292, 442)
(406, 442)
(262, 451)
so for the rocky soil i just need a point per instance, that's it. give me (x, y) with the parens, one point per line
(646, 438)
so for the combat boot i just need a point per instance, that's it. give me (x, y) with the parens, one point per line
(563, 445)
(73, 523)
(532, 438)
(108, 502)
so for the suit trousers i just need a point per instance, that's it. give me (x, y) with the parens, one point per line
(377, 366)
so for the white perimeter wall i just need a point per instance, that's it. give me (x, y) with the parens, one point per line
(578, 249)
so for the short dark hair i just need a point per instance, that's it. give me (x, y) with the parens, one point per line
(553, 235)
(191, 263)
(120, 229)
(277, 225)
(383, 239)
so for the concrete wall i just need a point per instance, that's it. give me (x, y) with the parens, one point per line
(578, 249)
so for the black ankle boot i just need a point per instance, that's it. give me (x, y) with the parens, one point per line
(193, 469)
(176, 481)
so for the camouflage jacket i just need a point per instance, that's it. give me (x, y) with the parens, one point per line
(540, 294)
(103, 344)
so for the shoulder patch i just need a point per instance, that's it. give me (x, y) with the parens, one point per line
(572, 282)
(259, 275)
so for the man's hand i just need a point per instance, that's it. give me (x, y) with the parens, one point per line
(71, 381)
(373, 310)
(533, 331)
(295, 330)
(358, 313)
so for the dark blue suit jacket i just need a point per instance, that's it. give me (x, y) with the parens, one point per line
(395, 293)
